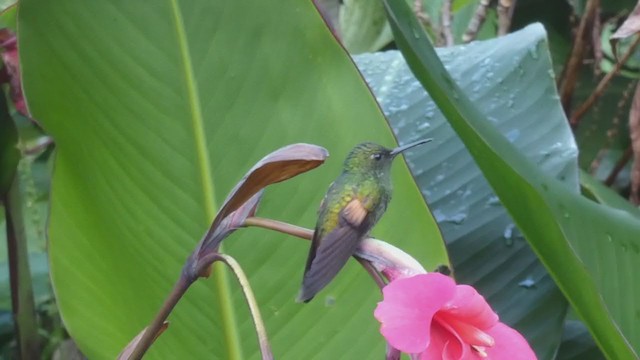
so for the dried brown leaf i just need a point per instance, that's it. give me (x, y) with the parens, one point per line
(634, 131)
(629, 27)
(229, 224)
(278, 166)
(128, 350)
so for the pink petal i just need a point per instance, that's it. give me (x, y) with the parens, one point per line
(510, 345)
(408, 307)
(439, 339)
(12, 68)
(469, 306)
(467, 333)
(445, 345)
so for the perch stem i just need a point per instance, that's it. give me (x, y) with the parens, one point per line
(279, 226)
(308, 235)
(150, 334)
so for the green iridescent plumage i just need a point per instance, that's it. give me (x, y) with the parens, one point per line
(354, 203)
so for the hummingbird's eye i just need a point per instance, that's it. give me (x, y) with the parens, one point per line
(376, 156)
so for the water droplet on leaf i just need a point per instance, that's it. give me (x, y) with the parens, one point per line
(329, 301)
(508, 234)
(493, 201)
(527, 283)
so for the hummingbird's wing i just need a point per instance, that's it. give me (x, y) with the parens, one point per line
(330, 253)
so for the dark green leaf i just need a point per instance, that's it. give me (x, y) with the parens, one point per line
(577, 343)
(485, 247)
(599, 193)
(558, 224)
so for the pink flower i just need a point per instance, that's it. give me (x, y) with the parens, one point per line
(11, 71)
(432, 317)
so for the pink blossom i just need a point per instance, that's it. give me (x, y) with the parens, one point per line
(11, 71)
(432, 317)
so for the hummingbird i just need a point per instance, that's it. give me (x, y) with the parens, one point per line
(353, 204)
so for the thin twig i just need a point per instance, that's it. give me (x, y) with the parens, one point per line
(569, 78)
(634, 133)
(261, 331)
(279, 226)
(476, 21)
(602, 85)
(149, 336)
(504, 16)
(445, 30)
(596, 34)
(620, 164)
(422, 16)
(613, 131)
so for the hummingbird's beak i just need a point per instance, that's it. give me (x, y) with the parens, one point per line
(400, 149)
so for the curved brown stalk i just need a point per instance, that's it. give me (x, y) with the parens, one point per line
(180, 288)
(261, 331)
(279, 226)
(150, 333)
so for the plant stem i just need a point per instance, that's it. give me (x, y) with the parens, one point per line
(569, 78)
(476, 21)
(418, 9)
(602, 85)
(261, 331)
(447, 34)
(505, 12)
(375, 246)
(373, 272)
(22, 301)
(620, 164)
(279, 226)
(179, 289)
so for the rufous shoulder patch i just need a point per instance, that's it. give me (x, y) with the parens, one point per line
(354, 213)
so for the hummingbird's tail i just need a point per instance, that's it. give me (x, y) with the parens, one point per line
(303, 298)
(330, 257)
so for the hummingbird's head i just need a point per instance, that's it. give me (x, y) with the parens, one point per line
(371, 157)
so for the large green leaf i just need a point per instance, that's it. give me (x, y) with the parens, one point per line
(486, 249)
(592, 251)
(363, 26)
(157, 110)
(598, 192)
(577, 343)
